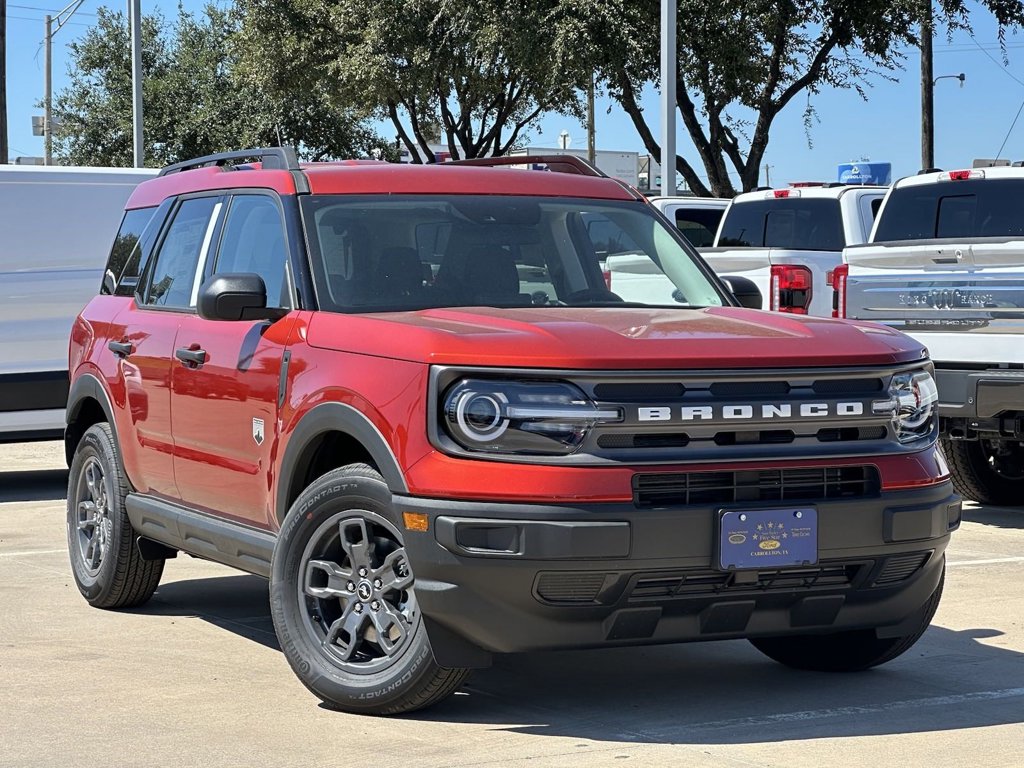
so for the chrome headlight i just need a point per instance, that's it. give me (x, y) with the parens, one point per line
(520, 417)
(911, 405)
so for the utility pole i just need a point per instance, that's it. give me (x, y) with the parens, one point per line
(591, 138)
(135, 22)
(927, 90)
(668, 97)
(3, 83)
(48, 92)
(767, 175)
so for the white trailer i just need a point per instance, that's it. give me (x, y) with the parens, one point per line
(624, 166)
(56, 227)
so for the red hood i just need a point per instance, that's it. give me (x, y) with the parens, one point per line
(610, 338)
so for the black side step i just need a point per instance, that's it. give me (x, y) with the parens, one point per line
(222, 541)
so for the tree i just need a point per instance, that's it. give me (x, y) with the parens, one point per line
(741, 62)
(474, 72)
(196, 101)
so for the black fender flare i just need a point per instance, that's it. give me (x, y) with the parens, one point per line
(336, 417)
(86, 387)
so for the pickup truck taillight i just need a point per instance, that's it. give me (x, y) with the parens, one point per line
(837, 278)
(790, 289)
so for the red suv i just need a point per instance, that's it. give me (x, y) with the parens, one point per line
(411, 398)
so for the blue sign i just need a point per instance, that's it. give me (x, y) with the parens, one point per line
(865, 173)
(768, 538)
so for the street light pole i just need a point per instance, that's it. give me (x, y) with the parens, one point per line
(927, 95)
(53, 25)
(135, 20)
(668, 97)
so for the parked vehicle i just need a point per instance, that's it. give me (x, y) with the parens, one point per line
(696, 217)
(787, 241)
(946, 265)
(56, 225)
(406, 396)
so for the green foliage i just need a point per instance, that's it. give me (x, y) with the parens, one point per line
(475, 72)
(741, 62)
(196, 100)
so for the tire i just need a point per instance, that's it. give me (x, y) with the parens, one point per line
(851, 651)
(340, 583)
(105, 561)
(987, 471)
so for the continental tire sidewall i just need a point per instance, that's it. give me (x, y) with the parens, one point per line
(352, 691)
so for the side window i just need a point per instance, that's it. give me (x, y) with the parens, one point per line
(123, 261)
(698, 225)
(174, 278)
(253, 241)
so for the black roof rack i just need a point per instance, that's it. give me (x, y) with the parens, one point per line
(280, 158)
(556, 163)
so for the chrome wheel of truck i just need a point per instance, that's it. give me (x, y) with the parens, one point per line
(343, 600)
(987, 471)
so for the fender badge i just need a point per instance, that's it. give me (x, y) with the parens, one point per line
(257, 431)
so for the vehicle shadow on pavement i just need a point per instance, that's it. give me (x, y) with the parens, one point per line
(727, 693)
(1001, 517)
(238, 604)
(33, 485)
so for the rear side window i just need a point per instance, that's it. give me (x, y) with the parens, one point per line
(698, 225)
(801, 224)
(125, 254)
(961, 209)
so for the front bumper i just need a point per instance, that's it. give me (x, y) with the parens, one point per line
(519, 577)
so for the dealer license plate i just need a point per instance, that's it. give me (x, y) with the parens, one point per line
(768, 538)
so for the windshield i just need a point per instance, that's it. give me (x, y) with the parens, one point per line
(794, 223)
(394, 253)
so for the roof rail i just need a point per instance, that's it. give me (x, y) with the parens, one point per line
(281, 158)
(928, 170)
(556, 163)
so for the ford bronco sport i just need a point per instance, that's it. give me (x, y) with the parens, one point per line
(406, 396)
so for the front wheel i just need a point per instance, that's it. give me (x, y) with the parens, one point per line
(987, 471)
(343, 600)
(850, 651)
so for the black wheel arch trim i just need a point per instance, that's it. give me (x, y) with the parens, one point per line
(86, 387)
(336, 417)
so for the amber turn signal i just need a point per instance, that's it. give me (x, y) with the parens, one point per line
(415, 521)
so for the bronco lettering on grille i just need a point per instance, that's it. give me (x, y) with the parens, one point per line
(743, 412)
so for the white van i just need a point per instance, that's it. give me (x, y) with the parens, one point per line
(56, 227)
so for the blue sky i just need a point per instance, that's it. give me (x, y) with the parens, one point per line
(971, 121)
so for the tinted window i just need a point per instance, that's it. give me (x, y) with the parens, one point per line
(174, 280)
(253, 241)
(699, 225)
(124, 255)
(802, 224)
(969, 208)
(387, 253)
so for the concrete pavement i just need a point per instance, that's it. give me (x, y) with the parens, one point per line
(195, 678)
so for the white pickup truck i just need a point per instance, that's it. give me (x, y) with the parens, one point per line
(945, 264)
(787, 241)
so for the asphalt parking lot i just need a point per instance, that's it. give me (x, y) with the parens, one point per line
(195, 678)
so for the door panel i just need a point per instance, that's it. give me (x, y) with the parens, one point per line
(225, 416)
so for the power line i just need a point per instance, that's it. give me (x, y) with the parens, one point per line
(1001, 146)
(43, 10)
(1001, 67)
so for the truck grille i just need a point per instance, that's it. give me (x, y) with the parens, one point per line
(684, 488)
(685, 584)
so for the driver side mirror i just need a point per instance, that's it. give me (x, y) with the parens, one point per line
(744, 291)
(236, 296)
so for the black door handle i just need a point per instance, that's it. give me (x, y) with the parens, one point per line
(191, 357)
(121, 348)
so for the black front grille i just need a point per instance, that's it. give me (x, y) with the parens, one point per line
(847, 386)
(692, 583)
(670, 489)
(644, 440)
(639, 391)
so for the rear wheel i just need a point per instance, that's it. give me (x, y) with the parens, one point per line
(344, 603)
(851, 651)
(987, 471)
(105, 561)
